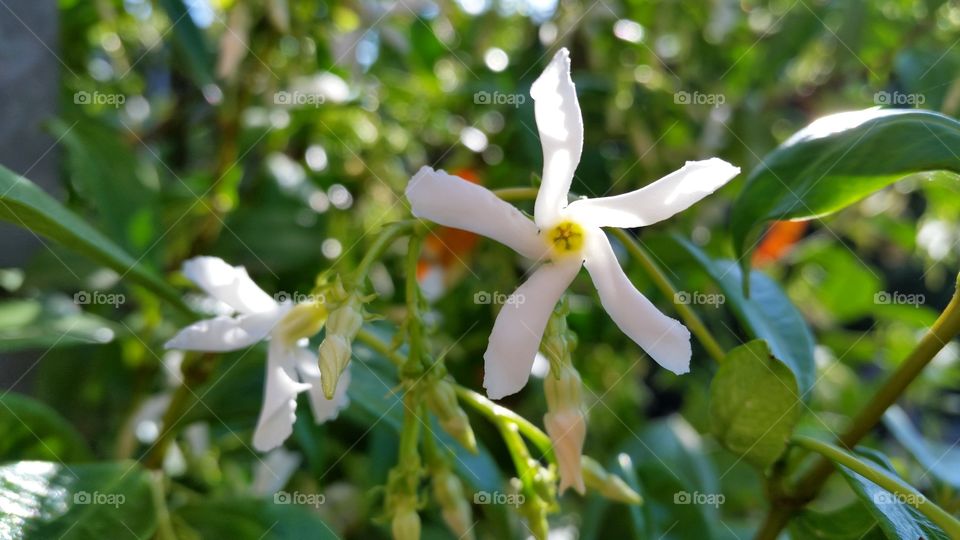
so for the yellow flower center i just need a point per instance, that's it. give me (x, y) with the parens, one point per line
(303, 321)
(565, 238)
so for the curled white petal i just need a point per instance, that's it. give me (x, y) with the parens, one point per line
(279, 408)
(660, 200)
(452, 201)
(519, 328)
(323, 409)
(664, 339)
(561, 136)
(226, 333)
(229, 284)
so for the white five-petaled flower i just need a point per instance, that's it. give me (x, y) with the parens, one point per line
(291, 367)
(566, 236)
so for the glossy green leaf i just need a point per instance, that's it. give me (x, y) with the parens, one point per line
(837, 161)
(24, 204)
(754, 404)
(766, 314)
(940, 460)
(33, 430)
(852, 522)
(42, 499)
(255, 519)
(896, 517)
(52, 322)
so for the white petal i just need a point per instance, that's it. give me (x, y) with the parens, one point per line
(452, 201)
(664, 339)
(519, 328)
(226, 333)
(323, 409)
(229, 284)
(279, 408)
(561, 136)
(667, 196)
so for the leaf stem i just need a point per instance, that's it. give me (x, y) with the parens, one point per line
(883, 479)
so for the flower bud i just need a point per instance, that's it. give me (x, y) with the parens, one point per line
(609, 485)
(566, 424)
(337, 347)
(442, 400)
(448, 490)
(406, 522)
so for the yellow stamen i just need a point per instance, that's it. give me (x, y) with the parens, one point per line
(566, 237)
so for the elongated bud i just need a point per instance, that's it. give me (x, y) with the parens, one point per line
(448, 490)
(406, 522)
(442, 400)
(337, 347)
(609, 485)
(566, 424)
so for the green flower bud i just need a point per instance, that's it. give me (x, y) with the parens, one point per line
(566, 424)
(406, 522)
(442, 400)
(448, 490)
(337, 347)
(609, 485)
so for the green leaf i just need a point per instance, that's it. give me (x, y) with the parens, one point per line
(24, 204)
(852, 522)
(837, 161)
(48, 323)
(767, 314)
(754, 404)
(940, 460)
(190, 43)
(33, 430)
(896, 517)
(42, 499)
(254, 519)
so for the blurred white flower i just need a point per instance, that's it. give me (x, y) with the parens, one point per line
(291, 367)
(566, 236)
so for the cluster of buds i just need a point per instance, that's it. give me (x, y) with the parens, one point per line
(402, 501)
(405, 524)
(449, 493)
(343, 323)
(565, 419)
(442, 401)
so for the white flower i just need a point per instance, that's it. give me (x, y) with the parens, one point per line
(291, 367)
(566, 236)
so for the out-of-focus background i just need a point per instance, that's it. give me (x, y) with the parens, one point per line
(279, 134)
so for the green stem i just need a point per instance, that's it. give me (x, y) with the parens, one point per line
(883, 479)
(501, 416)
(660, 279)
(662, 282)
(944, 329)
(414, 318)
(380, 346)
(383, 241)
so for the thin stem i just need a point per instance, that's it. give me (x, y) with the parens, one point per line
(885, 480)
(501, 416)
(414, 320)
(516, 194)
(662, 282)
(380, 346)
(946, 327)
(383, 241)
